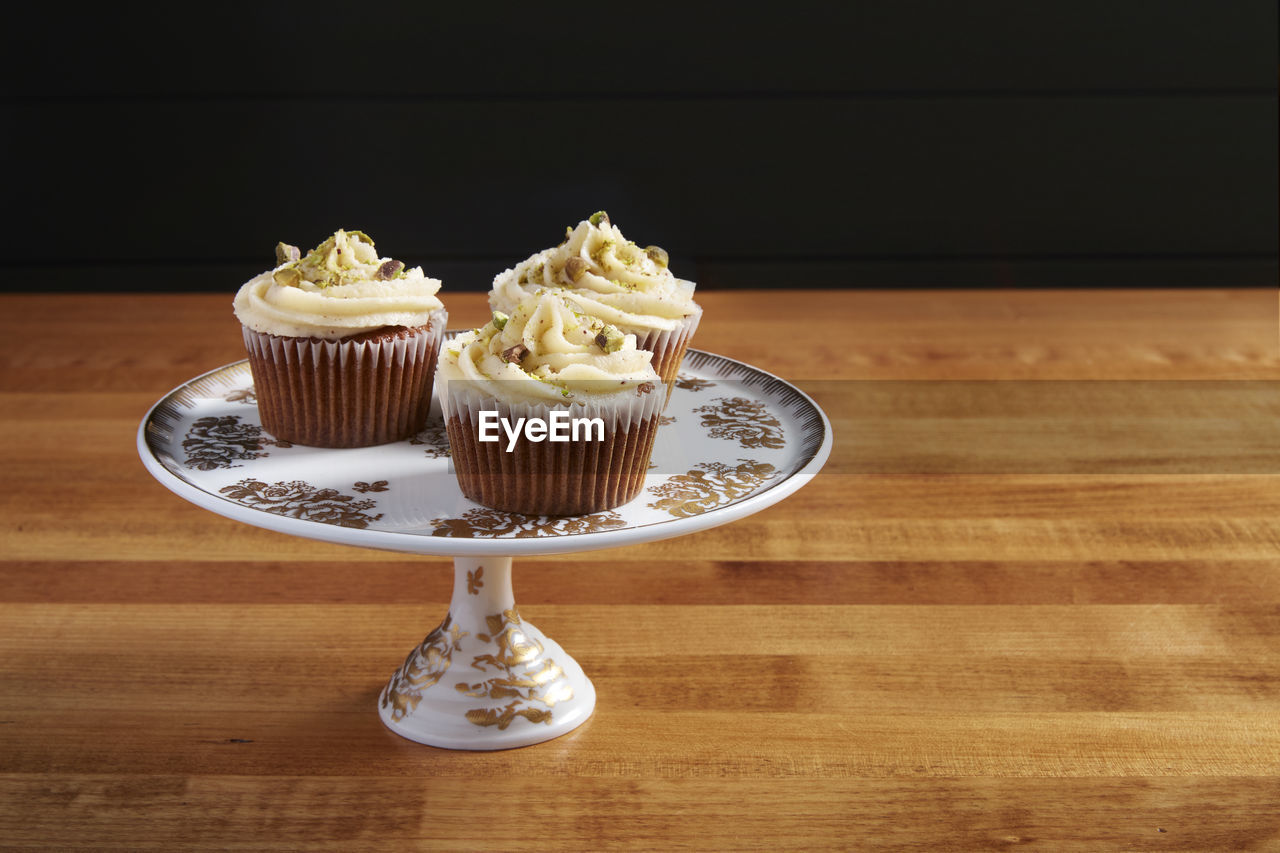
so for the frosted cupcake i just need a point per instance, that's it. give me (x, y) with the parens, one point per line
(342, 343)
(508, 387)
(605, 275)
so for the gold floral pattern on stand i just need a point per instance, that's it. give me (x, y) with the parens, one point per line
(486, 523)
(424, 667)
(709, 485)
(524, 676)
(363, 488)
(434, 438)
(296, 499)
(743, 420)
(219, 442)
(475, 581)
(692, 383)
(666, 420)
(248, 396)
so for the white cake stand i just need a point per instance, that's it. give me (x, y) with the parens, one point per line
(734, 441)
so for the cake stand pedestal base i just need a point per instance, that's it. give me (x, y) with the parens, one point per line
(486, 679)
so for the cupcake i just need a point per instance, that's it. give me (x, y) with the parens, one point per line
(605, 275)
(342, 343)
(549, 411)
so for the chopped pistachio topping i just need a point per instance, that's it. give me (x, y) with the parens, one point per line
(286, 253)
(574, 268)
(389, 270)
(515, 354)
(340, 259)
(610, 339)
(598, 253)
(598, 217)
(658, 255)
(499, 320)
(287, 277)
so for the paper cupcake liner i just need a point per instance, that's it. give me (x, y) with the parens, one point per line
(668, 347)
(546, 477)
(347, 393)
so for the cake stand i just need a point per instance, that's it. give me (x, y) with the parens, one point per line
(733, 441)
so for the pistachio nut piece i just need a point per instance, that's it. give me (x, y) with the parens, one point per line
(658, 255)
(287, 277)
(598, 217)
(574, 268)
(388, 270)
(499, 320)
(286, 253)
(610, 339)
(515, 354)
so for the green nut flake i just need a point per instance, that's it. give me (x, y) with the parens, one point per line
(287, 277)
(658, 255)
(286, 253)
(499, 320)
(389, 270)
(610, 339)
(598, 217)
(574, 268)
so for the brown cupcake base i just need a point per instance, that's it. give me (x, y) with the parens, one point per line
(552, 478)
(363, 390)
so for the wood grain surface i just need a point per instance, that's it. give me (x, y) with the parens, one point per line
(957, 647)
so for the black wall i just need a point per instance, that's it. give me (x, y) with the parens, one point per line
(917, 142)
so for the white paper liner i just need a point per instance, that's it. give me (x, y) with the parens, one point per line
(667, 346)
(552, 478)
(344, 393)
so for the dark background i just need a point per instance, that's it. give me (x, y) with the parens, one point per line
(908, 143)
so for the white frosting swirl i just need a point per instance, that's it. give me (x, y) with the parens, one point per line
(336, 291)
(613, 279)
(546, 352)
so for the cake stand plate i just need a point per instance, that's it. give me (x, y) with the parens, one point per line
(734, 440)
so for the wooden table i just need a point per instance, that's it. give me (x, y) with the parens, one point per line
(913, 652)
